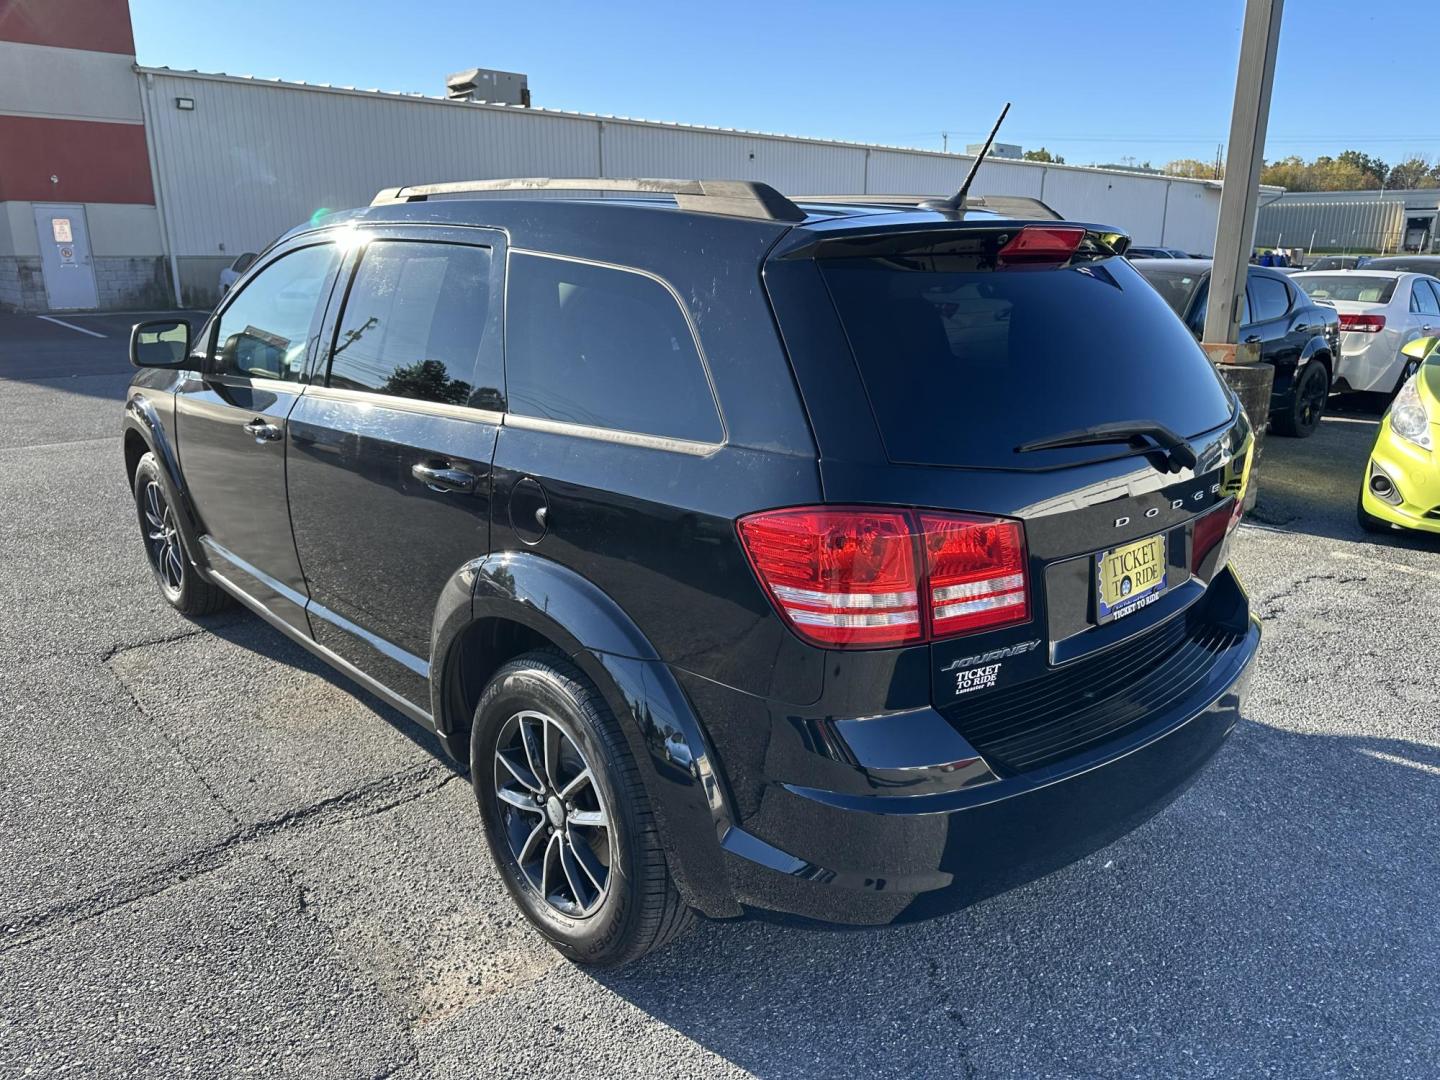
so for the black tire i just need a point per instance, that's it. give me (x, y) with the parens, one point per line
(1368, 521)
(636, 907)
(179, 581)
(1300, 419)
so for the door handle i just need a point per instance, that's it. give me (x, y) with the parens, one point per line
(441, 476)
(263, 430)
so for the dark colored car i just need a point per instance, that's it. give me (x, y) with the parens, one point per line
(1299, 337)
(1415, 264)
(1341, 262)
(1155, 253)
(843, 561)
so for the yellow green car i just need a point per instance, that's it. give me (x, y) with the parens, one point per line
(1402, 480)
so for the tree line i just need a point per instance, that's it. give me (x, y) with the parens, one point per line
(1349, 171)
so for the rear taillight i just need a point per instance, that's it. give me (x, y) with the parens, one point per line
(857, 577)
(1040, 244)
(1211, 528)
(1362, 324)
(976, 570)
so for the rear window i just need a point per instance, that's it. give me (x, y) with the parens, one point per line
(964, 365)
(1352, 288)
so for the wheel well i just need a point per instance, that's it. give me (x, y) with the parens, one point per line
(135, 449)
(482, 649)
(1323, 356)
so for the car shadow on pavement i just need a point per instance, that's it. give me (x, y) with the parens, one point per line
(1313, 485)
(248, 631)
(1277, 920)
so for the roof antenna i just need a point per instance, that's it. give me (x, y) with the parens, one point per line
(956, 202)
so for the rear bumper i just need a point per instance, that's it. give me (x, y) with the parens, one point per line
(871, 859)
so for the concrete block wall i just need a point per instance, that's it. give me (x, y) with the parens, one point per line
(22, 283)
(133, 282)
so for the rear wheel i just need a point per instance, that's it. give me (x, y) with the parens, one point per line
(567, 815)
(1409, 369)
(180, 583)
(1307, 406)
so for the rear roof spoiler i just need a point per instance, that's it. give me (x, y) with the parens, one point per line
(734, 198)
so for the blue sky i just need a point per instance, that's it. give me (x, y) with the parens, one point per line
(1094, 80)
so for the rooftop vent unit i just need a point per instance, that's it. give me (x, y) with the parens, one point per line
(489, 87)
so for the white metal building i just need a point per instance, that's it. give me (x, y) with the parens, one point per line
(246, 159)
(126, 187)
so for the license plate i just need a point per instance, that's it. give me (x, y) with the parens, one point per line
(1129, 577)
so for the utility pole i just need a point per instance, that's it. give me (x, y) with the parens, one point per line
(1239, 198)
(944, 142)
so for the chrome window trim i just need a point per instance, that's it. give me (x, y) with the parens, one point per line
(612, 435)
(658, 442)
(402, 404)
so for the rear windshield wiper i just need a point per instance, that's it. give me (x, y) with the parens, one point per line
(1176, 449)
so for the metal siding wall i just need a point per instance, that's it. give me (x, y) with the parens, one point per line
(1135, 204)
(1373, 224)
(800, 167)
(253, 160)
(1191, 217)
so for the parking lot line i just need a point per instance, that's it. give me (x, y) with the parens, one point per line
(70, 326)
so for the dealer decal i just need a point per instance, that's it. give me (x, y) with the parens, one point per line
(982, 671)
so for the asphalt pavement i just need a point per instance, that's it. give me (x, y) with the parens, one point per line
(220, 859)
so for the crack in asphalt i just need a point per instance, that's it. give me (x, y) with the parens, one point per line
(375, 797)
(1270, 607)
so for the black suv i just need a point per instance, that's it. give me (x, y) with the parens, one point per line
(845, 560)
(1297, 336)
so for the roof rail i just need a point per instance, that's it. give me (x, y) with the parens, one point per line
(736, 198)
(1020, 206)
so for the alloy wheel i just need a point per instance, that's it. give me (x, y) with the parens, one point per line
(162, 538)
(1313, 392)
(553, 815)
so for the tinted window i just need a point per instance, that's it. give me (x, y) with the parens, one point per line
(1269, 299)
(1423, 300)
(1435, 288)
(265, 331)
(1352, 288)
(414, 322)
(1419, 264)
(606, 347)
(1176, 287)
(964, 365)
(1197, 315)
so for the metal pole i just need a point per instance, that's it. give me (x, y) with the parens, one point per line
(1235, 235)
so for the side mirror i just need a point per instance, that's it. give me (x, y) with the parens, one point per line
(1420, 348)
(162, 343)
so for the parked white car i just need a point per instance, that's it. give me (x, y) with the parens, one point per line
(1381, 311)
(232, 273)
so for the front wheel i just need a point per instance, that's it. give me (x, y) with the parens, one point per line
(180, 583)
(567, 815)
(1312, 392)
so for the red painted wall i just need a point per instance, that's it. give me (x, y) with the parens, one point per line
(95, 162)
(100, 25)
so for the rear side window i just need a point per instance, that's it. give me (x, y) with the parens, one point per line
(414, 322)
(1423, 300)
(605, 347)
(1269, 298)
(963, 366)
